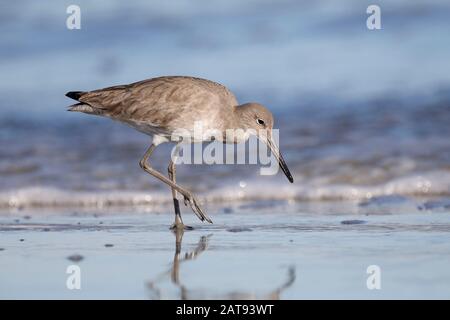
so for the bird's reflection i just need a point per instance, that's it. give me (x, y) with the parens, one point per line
(202, 245)
(184, 294)
(174, 270)
(272, 295)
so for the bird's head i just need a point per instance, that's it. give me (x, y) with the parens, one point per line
(259, 119)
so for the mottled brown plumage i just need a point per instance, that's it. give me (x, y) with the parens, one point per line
(162, 106)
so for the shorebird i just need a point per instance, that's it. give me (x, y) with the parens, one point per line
(159, 107)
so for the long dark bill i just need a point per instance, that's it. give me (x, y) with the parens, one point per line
(276, 152)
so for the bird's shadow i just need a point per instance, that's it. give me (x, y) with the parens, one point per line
(183, 293)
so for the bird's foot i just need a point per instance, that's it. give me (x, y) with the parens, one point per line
(194, 204)
(180, 226)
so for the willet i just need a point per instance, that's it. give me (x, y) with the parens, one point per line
(161, 106)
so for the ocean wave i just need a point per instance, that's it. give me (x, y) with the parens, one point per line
(430, 184)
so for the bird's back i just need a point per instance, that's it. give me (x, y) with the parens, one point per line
(166, 103)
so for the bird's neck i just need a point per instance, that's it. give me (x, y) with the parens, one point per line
(236, 127)
(237, 120)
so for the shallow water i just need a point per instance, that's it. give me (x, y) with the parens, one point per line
(277, 252)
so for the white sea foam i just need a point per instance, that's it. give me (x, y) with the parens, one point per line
(430, 184)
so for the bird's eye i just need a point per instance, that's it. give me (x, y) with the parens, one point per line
(260, 121)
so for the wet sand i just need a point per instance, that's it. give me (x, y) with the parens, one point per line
(286, 251)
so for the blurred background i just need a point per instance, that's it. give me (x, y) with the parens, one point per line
(362, 113)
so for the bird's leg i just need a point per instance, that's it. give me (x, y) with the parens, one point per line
(186, 194)
(178, 224)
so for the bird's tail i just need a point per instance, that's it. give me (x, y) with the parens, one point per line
(75, 95)
(82, 106)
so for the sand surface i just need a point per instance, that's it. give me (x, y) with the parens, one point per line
(286, 251)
